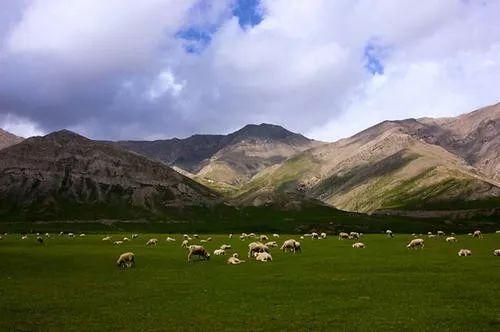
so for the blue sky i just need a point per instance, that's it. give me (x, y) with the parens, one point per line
(127, 69)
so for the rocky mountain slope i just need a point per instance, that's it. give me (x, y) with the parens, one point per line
(226, 161)
(408, 164)
(65, 175)
(7, 139)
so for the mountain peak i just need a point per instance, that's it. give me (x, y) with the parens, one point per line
(265, 131)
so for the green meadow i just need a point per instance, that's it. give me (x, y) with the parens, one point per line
(68, 284)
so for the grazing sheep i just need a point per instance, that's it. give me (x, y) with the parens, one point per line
(323, 235)
(429, 233)
(126, 260)
(292, 246)
(126, 239)
(276, 235)
(256, 247)
(440, 233)
(263, 257)
(416, 243)
(302, 237)
(203, 241)
(243, 237)
(47, 235)
(199, 251)
(185, 244)
(39, 239)
(107, 238)
(464, 252)
(118, 242)
(209, 239)
(219, 252)
(234, 260)
(271, 244)
(230, 236)
(152, 242)
(252, 235)
(343, 236)
(82, 235)
(477, 234)
(496, 252)
(135, 236)
(24, 237)
(195, 236)
(354, 235)
(71, 235)
(314, 235)
(452, 233)
(497, 232)
(61, 233)
(358, 245)
(451, 239)
(389, 233)
(170, 239)
(263, 238)
(431, 236)
(225, 247)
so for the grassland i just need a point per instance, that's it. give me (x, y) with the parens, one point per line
(71, 284)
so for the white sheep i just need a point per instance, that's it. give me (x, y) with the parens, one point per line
(256, 247)
(389, 233)
(440, 233)
(106, 238)
(230, 236)
(343, 235)
(291, 245)
(477, 234)
(314, 235)
(276, 235)
(47, 235)
(263, 238)
(195, 250)
(118, 242)
(219, 252)
(39, 239)
(126, 239)
(195, 236)
(252, 235)
(225, 247)
(82, 235)
(323, 235)
(416, 243)
(170, 239)
(496, 252)
(24, 237)
(234, 260)
(271, 244)
(185, 244)
(464, 252)
(71, 235)
(354, 235)
(135, 236)
(126, 260)
(152, 242)
(451, 239)
(358, 245)
(263, 257)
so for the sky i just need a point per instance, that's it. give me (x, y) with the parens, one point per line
(150, 69)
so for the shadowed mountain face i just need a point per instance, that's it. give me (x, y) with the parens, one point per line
(7, 139)
(226, 161)
(409, 164)
(64, 175)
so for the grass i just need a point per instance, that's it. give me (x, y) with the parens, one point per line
(72, 284)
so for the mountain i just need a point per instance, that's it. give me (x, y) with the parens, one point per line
(225, 162)
(408, 164)
(7, 139)
(65, 175)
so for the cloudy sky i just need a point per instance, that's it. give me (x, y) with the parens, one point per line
(128, 69)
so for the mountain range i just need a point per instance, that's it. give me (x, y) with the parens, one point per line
(413, 164)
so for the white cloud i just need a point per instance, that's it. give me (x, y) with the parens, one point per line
(303, 66)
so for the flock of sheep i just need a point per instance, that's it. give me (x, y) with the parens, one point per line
(261, 247)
